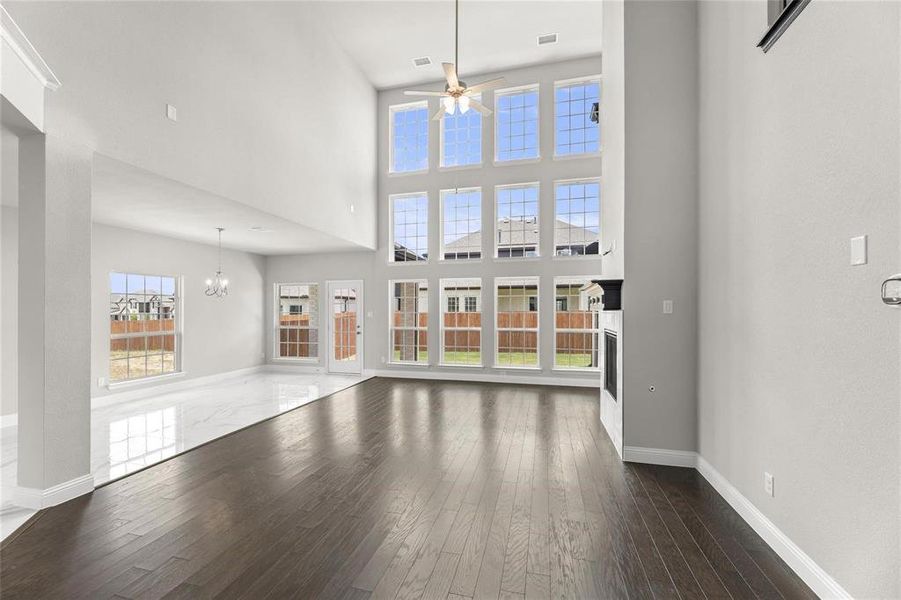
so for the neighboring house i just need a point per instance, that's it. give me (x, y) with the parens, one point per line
(519, 237)
(152, 304)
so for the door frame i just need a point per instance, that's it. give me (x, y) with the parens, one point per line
(330, 342)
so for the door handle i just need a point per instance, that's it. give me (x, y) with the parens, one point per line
(891, 290)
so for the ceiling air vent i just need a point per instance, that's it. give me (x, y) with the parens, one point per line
(422, 61)
(547, 38)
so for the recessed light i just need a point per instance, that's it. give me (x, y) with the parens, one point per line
(422, 61)
(547, 38)
(259, 229)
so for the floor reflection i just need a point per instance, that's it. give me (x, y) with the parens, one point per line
(141, 440)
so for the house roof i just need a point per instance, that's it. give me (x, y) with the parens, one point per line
(524, 232)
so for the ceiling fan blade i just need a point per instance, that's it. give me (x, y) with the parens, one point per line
(486, 85)
(438, 115)
(450, 71)
(422, 93)
(478, 106)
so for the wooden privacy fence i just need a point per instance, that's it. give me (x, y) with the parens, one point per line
(345, 333)
(158, 334)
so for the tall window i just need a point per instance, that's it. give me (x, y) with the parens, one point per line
(298, 321)
(409, 321)
(577, 209)
(461, 223)
(461, 138)
(516, 133)
(143, 326)
(409, 137)
(516, 232)
(576, 323)
(461, 332)
(574, 103)
(409, 227)
(516, 321)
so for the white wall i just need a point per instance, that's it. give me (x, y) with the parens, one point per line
(376, 271)
(271, 112)
(799, 359)
(219, 335)
(9, 271)
(661, 211)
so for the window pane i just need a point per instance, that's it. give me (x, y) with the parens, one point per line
(409, 321)
(462, 137)
(461, 332)
(298, 321)
(575, 132)
(576, 323)
(516, 321)
(410, 138)
(461, 223)
(577, 209)
(516, 233)
(410, 235)
(516, 122)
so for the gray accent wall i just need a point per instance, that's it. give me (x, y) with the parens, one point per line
(799, 358)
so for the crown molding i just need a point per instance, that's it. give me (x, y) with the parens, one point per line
(19, 44)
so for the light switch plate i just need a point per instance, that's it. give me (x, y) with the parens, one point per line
(859, 250)
(171, 113)
(667, 307)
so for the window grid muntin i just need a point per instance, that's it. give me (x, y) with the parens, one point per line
(409, 137)
(577, 214)
(462, 327)
(461, 138)
(577, 328)
(517, 331)
(408, 338)
(465, 206)
(517, 118)
(297, 338)
(520, 205)
(574, 132)
(409, 221)
(147, 344)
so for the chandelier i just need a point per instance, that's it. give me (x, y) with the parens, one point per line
(218, 286)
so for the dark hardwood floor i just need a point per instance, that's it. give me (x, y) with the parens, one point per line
(402, 489)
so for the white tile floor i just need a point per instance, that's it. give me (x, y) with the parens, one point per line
(129, 436)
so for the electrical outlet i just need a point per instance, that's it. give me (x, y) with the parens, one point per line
(667, 307)
(383, 359)
(101, 381)
(858, 250)
(768, 484)
(171, 113)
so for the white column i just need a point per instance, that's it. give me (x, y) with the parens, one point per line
(54, 462)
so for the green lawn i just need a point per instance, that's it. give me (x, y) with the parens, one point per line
(512, 359)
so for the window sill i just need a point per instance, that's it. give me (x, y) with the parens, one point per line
(462, 261)
(455, 366)
(471, 167)
(516, 259)
(576, 370)
(576, 257)
(407, 262)
(295, 361)
(395, 363)
(407, 173)
(120, 385)
(519, 161)
(565, 157)
(515, 368)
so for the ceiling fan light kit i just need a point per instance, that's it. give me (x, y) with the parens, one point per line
(456, 93)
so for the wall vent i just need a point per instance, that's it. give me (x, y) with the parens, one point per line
(422, 61)
(547, 38)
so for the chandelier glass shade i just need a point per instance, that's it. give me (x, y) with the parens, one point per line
(218, 285)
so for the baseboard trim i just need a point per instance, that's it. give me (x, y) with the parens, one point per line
(660, 456)
(806, 568)
(139, 393)
(505, 377)
(9, 420)
(39, 499)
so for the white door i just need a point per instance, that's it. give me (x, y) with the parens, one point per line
(345, 329)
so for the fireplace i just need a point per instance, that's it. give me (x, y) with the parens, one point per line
(610, 362)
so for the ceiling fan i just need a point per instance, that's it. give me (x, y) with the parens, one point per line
(456, 93)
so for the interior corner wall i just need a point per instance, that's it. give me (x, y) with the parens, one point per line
(219, 335)
(799, 358)
(661, 215)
